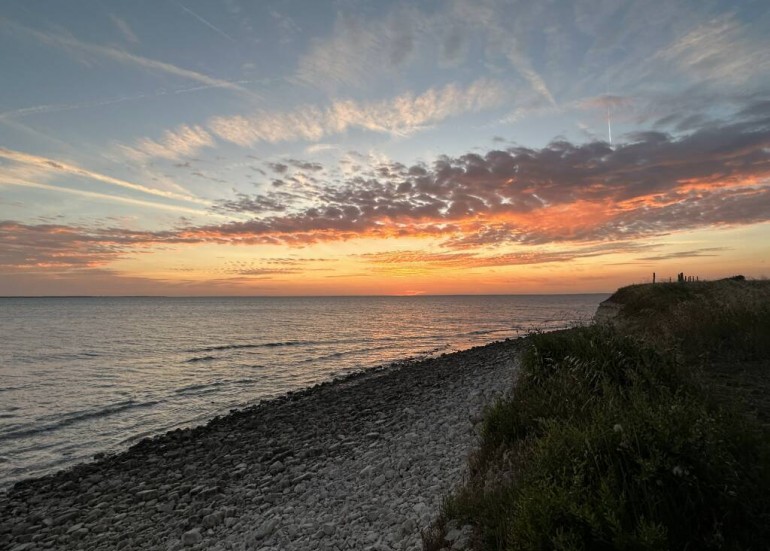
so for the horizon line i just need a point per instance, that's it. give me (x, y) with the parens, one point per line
(309, 296)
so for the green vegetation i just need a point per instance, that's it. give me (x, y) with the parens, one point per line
(640, 434)
(721, 320)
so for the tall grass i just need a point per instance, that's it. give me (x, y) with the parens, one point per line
(611, 440)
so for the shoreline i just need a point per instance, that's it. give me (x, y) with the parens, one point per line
(239, 480)
(204, 419)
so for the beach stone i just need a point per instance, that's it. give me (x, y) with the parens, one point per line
(265, 529)
(192, 537)
(213, 519)
(147, 495)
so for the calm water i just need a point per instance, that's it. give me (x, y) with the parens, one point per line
(80, 376)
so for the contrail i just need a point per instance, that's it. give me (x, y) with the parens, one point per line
(609, 123)
(66, 42)
(49, 165)
(104, 196)
(204, 21)
(56, 108)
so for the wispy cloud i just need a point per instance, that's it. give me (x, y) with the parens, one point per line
(46, 165)
(206, 22)
(124, 29)
(6, 181)
(184, 141)
(492, 18)
(417, 260)
(71, 43)
(43, 137)
(57, 108)
(694, 253)
(356, 46)
(289, 28)
(720, 51)
(399, 116)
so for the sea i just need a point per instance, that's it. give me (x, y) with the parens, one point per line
(86, 375)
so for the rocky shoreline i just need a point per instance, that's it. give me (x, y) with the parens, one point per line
(358, 463)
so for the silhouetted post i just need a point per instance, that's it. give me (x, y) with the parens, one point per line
(653, 278)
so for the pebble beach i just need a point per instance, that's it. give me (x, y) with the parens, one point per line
(361, 462)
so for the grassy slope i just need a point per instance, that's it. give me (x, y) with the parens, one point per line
(650, 433)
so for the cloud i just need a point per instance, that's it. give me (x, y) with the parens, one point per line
(255, 205)
(506, 36)
(278, 168)
(205, 22)
(43, 165)
(182, 142)
(6, 116)
(56, 247)
(6, 181)
(695, 253)
(719, 50)
(72, 44)
(604, 102)
(305, 165)
(346, 58)
(553, 204)
(286, 25)
(262, 272)
(320, 147)
(650, 185)
(267, 268)
(399, 116)
(453, 44)
(124, 29)
(466, 260)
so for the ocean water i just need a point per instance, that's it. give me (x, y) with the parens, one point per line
(79, 376)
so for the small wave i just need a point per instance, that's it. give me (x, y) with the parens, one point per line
(200, 359)
(198, 389)
(352, 352)
(73, 355)
(75, 417)
(256, 345)
(490, 331)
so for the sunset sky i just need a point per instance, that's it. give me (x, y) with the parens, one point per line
(226, 147)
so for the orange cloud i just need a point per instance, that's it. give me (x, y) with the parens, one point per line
(478, 210)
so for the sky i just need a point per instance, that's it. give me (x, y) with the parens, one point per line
(226, 147)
